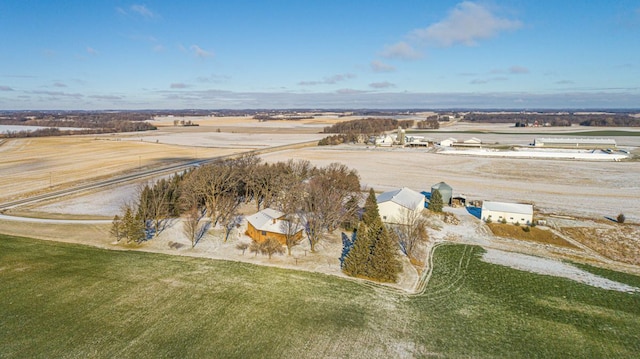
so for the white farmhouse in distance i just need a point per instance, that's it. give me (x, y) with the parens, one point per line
(510, 212)
(393, 205)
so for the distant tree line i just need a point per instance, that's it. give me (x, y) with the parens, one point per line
(368, 126)
(555, 119)
(87, 123)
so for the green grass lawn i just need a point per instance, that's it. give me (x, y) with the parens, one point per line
(71, 301)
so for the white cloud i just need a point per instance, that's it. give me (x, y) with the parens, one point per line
(328, 80)
(143, 11)
(200, 52)
(400, 50)
(92, 51)
(467, 23)
(106, 97)
(379, 66)
(381, 85)
(5, 88)
(59, 84)
(518, 70)
(349, 91)
(178, 85)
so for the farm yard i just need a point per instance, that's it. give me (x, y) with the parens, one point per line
(476, 291)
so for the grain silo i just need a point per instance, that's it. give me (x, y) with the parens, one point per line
(445, 191)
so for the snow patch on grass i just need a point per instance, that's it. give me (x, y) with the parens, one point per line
(554, 268)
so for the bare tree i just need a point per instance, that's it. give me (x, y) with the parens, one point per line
(330, 194)
(156, 202)
(410, 231)
(191, 226)
(271, 246)
(218, 185)
(117, 228)
(242, 246)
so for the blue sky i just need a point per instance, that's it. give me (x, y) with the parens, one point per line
(70, 54)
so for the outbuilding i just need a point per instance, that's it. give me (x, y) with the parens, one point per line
(507, 212)
(448, 142)
(445, 191)
(393, 205)
(582, 143)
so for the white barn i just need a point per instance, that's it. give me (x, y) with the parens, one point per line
(392, 204)
(511, 212)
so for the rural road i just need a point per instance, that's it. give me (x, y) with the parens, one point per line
(133, 177)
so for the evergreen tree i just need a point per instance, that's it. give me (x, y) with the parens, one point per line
(357, 260)
(116, 228)
(371, 213)
(133, 226)
(373, 254)
(435, 204)
(385, 264)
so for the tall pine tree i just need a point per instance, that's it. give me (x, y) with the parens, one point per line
(373, 255)
(435, 204)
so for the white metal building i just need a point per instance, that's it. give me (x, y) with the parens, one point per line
(392, 204)
(511, 212)
(575, 142)
(448, 142)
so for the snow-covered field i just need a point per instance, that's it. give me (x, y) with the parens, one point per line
(17, 128)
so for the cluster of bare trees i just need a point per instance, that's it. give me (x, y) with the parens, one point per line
(316, 199)
(429, 123)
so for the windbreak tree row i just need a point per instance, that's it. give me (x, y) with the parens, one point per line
(319, 199)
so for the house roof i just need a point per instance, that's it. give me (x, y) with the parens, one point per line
(508, 207)
(404, 197)
(267, 220)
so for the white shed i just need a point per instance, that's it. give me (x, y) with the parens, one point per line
(510, 212)
(448, 142)
(392, 204)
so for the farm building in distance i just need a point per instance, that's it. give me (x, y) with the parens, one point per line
(448, 142)
(509, 212)
(584, 143)
(472, 142)
(393, 204)
(270, 223)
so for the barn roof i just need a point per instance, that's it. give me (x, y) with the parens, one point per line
(508, 207)
(404, 197)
